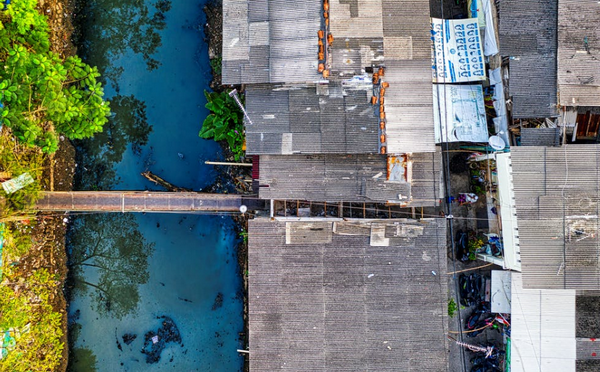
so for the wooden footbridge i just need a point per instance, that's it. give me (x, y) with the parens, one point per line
(145, 201)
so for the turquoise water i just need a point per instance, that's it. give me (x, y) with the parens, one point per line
(129, 270)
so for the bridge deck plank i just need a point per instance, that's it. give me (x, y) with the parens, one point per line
(138, 201)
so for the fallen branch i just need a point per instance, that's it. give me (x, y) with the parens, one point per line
(161, 182)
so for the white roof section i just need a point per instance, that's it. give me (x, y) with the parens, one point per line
(500, 293)
(409, 107)
(542, 329)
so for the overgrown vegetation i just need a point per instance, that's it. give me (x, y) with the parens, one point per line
(44, 95)
(215, 65)
(16, 159)
(452, 308)
(225, 122)
(27, 310)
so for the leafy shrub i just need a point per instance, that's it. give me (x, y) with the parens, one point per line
(452, 308)
(225, 122)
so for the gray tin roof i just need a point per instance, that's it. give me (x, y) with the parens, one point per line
(540, 137)
(349, 178)
(557, 197)
(409, 107)
(310, 120)
(375, 31)
(347, 295)
(337, 118)
(579, 52)
(270, 41)
(527, 31)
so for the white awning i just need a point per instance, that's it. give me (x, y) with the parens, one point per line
(508, 213)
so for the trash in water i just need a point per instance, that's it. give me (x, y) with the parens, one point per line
(156, 342)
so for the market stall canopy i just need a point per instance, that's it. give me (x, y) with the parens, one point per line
(457, 51)
(542, 329)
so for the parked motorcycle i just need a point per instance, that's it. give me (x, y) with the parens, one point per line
(471, 289)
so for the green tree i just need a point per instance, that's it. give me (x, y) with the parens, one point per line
(111, 249)
(42, 94)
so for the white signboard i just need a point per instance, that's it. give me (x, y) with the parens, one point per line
(457, 54)
(459, 113)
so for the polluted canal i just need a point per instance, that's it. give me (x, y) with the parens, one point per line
(151, 292)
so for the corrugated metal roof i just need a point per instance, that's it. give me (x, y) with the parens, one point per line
(297, 120)
(542, 328)
(579, 52)
(275, 41)
(270, 41)
(349, 178)
(409, 107)
(558, 206)
(540, 137)
(531, 39)
(373, 32)
(347, 305)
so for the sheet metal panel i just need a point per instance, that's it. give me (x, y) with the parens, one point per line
(578, 53)
(343, 299)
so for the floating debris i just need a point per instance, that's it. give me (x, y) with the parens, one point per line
(155, 342)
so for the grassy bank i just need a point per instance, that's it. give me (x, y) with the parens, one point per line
(47, 95)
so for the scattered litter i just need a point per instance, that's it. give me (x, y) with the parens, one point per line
(370, 276)
(18, 183)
